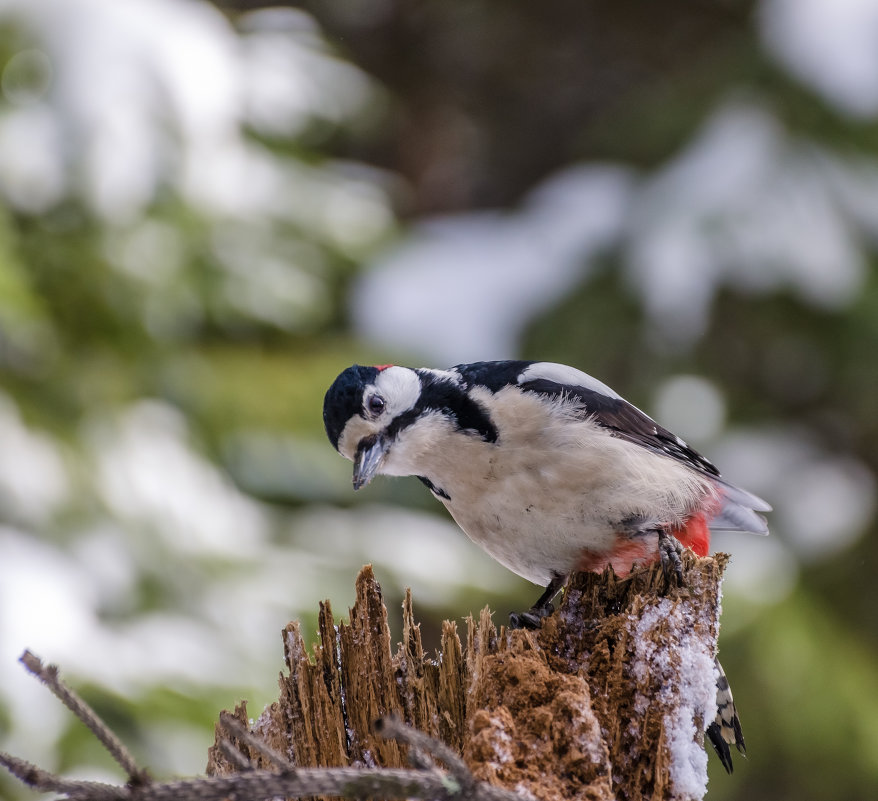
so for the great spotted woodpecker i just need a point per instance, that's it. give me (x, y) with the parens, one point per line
(546, 468)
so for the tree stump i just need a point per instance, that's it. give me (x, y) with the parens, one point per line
(609, 700)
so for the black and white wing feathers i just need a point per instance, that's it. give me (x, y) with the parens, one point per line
(600, 404)
(604, 406)
(625, 421)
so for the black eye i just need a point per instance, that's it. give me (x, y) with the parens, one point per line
(375, 404)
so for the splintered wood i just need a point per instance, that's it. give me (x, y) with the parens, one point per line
(607, 701)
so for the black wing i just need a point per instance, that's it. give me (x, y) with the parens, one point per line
(492, 375)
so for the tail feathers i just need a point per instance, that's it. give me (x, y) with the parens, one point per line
(738, 518)
(739, 511)
(725, 730)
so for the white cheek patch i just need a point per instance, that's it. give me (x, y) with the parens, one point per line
(400, 387)
(352, 434)
(562, 374)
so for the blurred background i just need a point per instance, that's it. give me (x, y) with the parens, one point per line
(209, 210)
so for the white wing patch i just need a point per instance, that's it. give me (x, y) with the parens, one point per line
(563, 374)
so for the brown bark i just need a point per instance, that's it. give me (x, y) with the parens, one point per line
(606, 701)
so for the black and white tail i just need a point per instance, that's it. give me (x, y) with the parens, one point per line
(726, 727)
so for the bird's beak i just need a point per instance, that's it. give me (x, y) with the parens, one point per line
(369, 458)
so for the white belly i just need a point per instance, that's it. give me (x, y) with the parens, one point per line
(532, 541)
(536, 519)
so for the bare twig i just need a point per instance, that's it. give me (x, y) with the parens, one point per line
(42, 780)
(237, 729)
(263, 784)
(420, 759)
(48, 674)
(235, 756)
(391, 726)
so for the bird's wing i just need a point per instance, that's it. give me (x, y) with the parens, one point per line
(603, 406)
(623, 420)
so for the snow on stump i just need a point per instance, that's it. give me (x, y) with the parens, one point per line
(609, 700)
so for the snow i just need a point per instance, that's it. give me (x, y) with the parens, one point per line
(500, 742)
(587, 743)
(766, 220)
(687, 678)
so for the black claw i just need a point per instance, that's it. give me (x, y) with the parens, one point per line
(670, 550)
(521, 620)
(533, 618)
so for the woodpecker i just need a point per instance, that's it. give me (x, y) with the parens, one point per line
(548, 470)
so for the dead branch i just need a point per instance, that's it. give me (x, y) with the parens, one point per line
(48, 675)
(264, 784)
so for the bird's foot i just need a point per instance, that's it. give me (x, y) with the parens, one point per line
(670, 551)
(533, 618)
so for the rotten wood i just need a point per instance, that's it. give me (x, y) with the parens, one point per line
(601, 703)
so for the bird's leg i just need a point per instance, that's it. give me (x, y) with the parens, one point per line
(670, 550)
(533, 618)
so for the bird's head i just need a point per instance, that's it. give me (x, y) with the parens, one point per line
(364, 411)
(398, 420)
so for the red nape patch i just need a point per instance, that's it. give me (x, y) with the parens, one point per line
(380, 367)
(695, 534)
